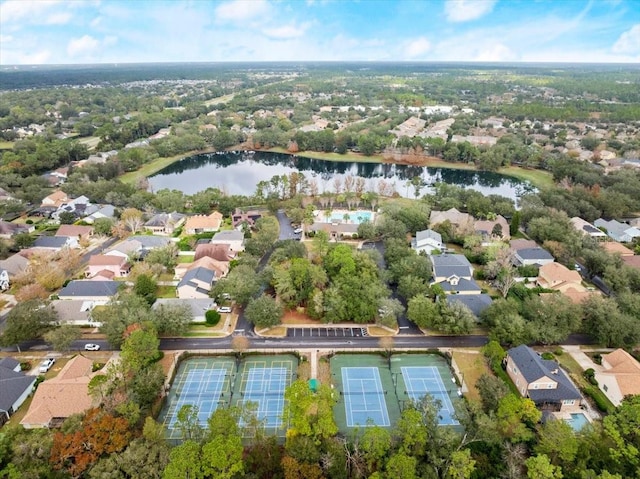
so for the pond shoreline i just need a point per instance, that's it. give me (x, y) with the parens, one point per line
(538, 178)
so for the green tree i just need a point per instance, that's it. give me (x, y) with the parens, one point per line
(120, 312)
(402, 466)
(310, 412)
(492, 390)
(103, 226)
(539, 467)
(222, 457)
(172, 319)
(185, 461)
(62, 337)
(264, 312)
(375, 444)
(28, 320)
(140, 349)
(241, 284)
(423, 311)
(145, 287)
(462, 465)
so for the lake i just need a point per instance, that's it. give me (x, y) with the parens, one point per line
(238, 172)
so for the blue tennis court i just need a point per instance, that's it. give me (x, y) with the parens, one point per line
(205, 384)
(421, 380)
(364, 397)
(265, 387)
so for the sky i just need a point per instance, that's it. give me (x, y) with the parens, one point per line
(113, 31)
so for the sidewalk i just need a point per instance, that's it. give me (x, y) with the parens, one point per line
(581, 358)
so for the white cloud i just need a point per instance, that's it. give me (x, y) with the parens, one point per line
(286, 31)
(629, 41)
(6, 38)
(241, 10)
(82, 46)
(58, 18)
(465, 10)
(497, 52)
(15, 10)
(35, 58)
(417, 47)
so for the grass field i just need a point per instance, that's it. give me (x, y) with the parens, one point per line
(6, 145)
(472, 365)
(91, 142)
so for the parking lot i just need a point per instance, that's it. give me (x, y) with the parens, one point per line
(326, 332)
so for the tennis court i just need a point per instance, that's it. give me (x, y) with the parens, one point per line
(204, 383)
(364, 397)
(422, 380)
(263, 384)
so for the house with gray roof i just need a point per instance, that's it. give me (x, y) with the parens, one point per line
(150, 242)
(14, 264)
(165, 223)
(88, 290)
(77, 312)
(621, 232)
(55, 243)
(456, 285)
(198, 306)
(427, 241)
(446, 266)
(233, 238)
(542, 380)
(15, 387)
(532, 256)
(9, 230)
(106, 211)
(196, 283)
(477, 303)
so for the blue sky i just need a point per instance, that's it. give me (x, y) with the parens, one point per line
(111, 31)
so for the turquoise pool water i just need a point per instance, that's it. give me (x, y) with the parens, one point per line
(356, 217)
(578, 421)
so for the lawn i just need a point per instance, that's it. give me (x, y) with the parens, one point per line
(186, 258)
(6, 145)
(166, 292)
(472, 365)
(91, 142)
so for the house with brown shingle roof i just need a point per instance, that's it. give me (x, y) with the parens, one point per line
(620, 376)
(220, 252)
(632, 261)
(62, 396)
(453, 216)
(57, 199)
(560, 278)
(613, 247)
(486, 228)
(76, 231)
(203, 223)
(220, 267)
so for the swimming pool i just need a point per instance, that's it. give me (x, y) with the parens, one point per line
(353, 217)
(578, 421)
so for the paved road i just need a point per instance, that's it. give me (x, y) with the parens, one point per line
(286, 230)
(292, 343)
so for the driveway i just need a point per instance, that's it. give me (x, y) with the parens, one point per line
(286, 230)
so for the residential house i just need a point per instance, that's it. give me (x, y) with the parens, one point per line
(5, 195)
(15, 387)
(203, 223)
(617, 231)
(477, 303)
(560, 278)
(165, 223)
(613, 247)
(619, 376)
(233, 238)
(493, 230)
(106, 211)
(89, 290)
(55, 199)
(336, 230)
(542, 381)
(4, 280)
(76, 312)
(460, 286)
(632, 261)
(221, 268)
(151, 242)
(450, 266)
(427, 241)
(79, 207)
(115, 264)
(587, 229)
(9, 230)
(55, 243)
(219, 252)
(249, 217)
(532, 256)
(62, 396)
(125, 249)
(196, 283)
(15, 264)
(81, 233)
(453, 216)
(198, 306)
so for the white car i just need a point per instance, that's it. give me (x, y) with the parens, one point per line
(46, 365)
(297, 231)
(92, 347)
(224, 309)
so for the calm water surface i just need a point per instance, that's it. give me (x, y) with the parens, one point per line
(239, 173)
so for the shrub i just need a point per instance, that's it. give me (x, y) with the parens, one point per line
(25, 366)
(597, 358)
(558, 351)
(599, 399)
(548, 356)
(96, 366)
(29, 222)
(212, 317)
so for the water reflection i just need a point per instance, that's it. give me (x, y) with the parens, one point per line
(240, 172)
